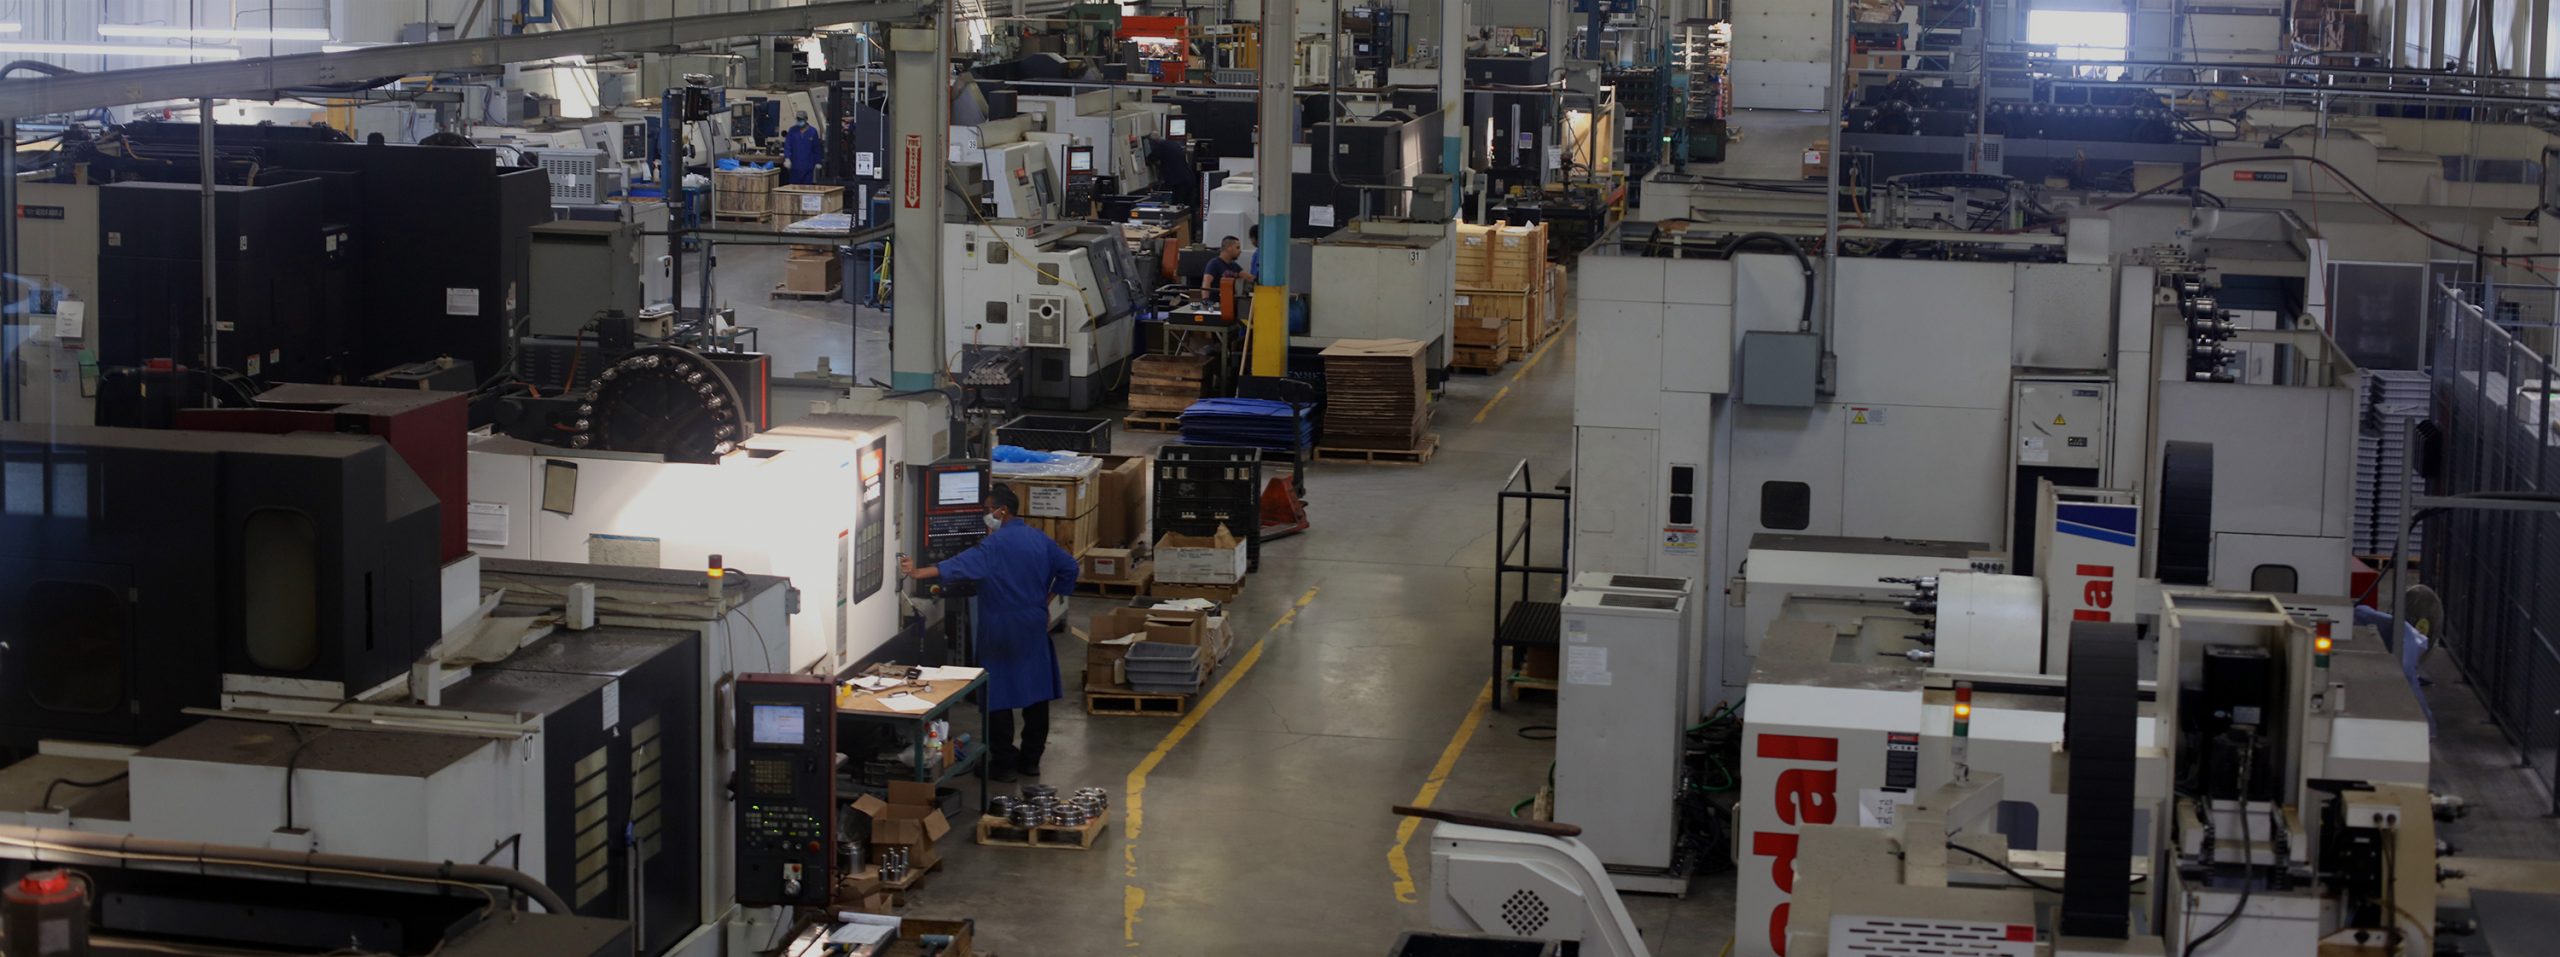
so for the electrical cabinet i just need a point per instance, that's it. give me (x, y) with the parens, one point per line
(581, 268)
(1619, 722)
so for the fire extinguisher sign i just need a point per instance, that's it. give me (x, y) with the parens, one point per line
(912, 171)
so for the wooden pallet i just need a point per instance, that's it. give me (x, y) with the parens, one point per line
(1221, 594)
(1136, 703)
(997, 832)
(1152, 423)
(1412, 456)
(803, 295)
(1113, 587)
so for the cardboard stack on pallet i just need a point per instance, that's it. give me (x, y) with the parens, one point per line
(1117, 563)
(1160, 387)
(1503, 300)
(1154, 631)
(744, 194)
(1376, 396)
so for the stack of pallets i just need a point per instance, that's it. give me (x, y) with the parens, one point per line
(1377, 402)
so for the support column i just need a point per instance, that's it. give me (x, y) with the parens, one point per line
(204, 179)
(1270, 352)
(1453, 93)
(1559, 39)
(2435, 37)
(2538, 50)
(919, 141)
(11, 360)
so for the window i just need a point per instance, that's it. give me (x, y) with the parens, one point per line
(76, 640)
(1786, 506)
(2275, 578)
(280, 610)
(2082, 34)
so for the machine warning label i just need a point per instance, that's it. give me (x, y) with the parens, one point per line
(485, 523)
(1586, 665)
(1902, 761)
(2057, 420)
(1679, 540)
(1864, 415)
(2260, 176)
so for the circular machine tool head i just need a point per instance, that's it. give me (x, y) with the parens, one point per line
(662, 400)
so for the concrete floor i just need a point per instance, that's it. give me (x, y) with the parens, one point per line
(1265, 829)
(1264, 824)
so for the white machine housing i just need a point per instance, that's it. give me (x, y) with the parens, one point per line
(1063, 290)
(790, 502)
(1378, 285)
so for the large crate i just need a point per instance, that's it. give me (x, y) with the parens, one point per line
(1056, 433)
(743, 193)
(1491, 308)
(1517, 258)
(1166, 383)
(1475, 254)
(1068, 509)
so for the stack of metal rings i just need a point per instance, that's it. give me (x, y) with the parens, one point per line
(1000, 805)
(1069, 815)
(1026, 815)
(1034, 792)
(1096, 799)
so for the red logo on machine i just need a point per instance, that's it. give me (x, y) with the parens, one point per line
(2097, 592)
(1802, 796)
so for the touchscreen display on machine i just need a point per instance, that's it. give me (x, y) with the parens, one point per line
(780, 724)
(956, 488)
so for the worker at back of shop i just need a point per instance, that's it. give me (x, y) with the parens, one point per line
(1016, 569)
(803, 148)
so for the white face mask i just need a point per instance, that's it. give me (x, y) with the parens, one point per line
(993, 522)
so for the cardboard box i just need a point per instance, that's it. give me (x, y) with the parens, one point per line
(810, 273)
(1200, 559)
(1056, 496)
(1123, 503)
(912, 931)
(911, 818)
(1109, 564)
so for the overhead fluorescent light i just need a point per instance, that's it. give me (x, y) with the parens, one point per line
(10, 26)
(119, 49)
(214, 33)
(349, 47)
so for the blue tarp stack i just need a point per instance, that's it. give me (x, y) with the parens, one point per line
(1259, 423)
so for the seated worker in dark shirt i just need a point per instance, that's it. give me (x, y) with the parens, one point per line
(1224, 265)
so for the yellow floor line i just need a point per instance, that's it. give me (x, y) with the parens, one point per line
(1541, 353)
(1396, 861)
(1135, 789)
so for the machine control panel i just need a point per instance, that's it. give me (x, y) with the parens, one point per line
(786, 790)
(1080, 181)
(954, 501)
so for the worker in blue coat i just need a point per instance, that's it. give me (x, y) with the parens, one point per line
(1016, 569)
(803, 148)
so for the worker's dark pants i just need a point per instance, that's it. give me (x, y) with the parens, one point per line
(1035, 736)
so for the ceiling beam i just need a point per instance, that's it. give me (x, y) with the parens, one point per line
(261, 77)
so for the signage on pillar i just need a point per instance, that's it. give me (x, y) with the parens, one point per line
(913, 171)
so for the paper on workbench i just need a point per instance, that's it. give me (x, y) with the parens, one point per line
(903, 701)
(873, 683)
(951, 673)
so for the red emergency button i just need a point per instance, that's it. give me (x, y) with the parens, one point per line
(813, 847)
(46, 883)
